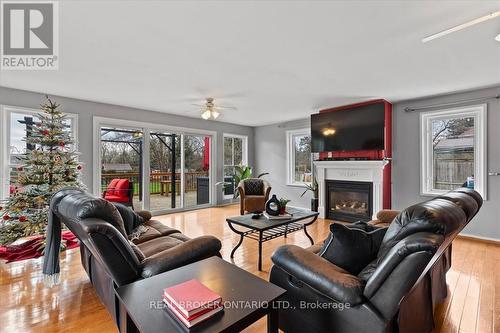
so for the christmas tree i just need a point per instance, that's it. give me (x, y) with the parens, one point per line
(50, 164)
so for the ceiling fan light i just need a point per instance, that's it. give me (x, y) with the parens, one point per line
(215, 114)
(206, 115)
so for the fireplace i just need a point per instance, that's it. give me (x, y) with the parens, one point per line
(349, 201)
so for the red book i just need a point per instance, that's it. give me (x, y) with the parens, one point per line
(195, 319)
(191, 297)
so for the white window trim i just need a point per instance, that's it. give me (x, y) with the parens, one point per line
(244, 153)
(5, 116)
(98, 122)
(290, 156)
(479, 113)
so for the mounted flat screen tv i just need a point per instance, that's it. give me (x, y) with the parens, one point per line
(359, 128)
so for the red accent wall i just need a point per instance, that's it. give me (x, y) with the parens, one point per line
(370, 154)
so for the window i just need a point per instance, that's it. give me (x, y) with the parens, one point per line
(16, 123)
(299, 157)
(453, 149)
(235, 154)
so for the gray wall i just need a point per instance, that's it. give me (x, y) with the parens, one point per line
(406, 163)
(86, 110)
(270, 155)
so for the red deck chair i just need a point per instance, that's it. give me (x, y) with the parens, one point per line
(120, 190)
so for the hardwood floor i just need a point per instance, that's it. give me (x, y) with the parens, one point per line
(473, 303)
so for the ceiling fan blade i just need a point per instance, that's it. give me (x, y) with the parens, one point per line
(226, 107)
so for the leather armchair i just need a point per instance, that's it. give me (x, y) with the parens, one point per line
(254, 193)
(398, 291)
(113, 258)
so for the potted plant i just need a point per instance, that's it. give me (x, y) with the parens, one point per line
(240, 173)
(313, 187)
(282, 205)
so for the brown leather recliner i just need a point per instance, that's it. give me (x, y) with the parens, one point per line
(254, 192)
(113, 254)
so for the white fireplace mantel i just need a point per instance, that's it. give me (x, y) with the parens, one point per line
(362, 171)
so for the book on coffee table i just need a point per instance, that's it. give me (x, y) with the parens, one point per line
(191, 302)
(285, 216)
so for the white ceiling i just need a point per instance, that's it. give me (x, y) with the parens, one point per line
(273, 60)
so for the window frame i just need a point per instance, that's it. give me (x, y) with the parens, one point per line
(290, 156)
(479, 113)
(5, 115)
(244, 152)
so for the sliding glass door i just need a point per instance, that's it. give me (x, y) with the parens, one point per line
(167, 170)
(196, 170)
(122, 156)
(165, 165)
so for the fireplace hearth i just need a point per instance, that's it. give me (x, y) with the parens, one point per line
(349, 201)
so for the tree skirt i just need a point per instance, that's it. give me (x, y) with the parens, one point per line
(31, 247)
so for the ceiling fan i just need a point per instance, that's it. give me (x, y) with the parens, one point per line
(212, 111)
(462, 26)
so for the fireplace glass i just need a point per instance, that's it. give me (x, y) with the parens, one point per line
(349, 201)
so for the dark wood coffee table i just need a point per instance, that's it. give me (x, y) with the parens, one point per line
(246, 297)
(264, 229)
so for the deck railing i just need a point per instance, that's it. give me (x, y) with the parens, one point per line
(155, 179)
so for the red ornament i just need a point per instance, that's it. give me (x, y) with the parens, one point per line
(79, 167)
(45, 132)
(62, 143)
(6, 217)
(20, 168)
(22, 218)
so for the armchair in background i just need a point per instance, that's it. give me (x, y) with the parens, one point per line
(254, 192)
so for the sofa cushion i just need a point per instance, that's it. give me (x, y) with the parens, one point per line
(254, 187)
(158, 244)
(153, 229)
(351, 248)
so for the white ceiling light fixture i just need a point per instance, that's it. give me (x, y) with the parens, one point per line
(462, 26)
(210, 111)
(497, 38)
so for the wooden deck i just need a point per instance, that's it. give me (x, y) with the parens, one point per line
(473, 304)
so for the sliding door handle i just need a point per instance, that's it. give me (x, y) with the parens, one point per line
(493, 173)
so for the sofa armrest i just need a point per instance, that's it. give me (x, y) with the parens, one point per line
(186, 253)
(387, 215)
(110, 247)
(319, 274)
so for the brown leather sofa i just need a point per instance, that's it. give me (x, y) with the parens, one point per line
(397, 292)
(113, 257)
(254, 192)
